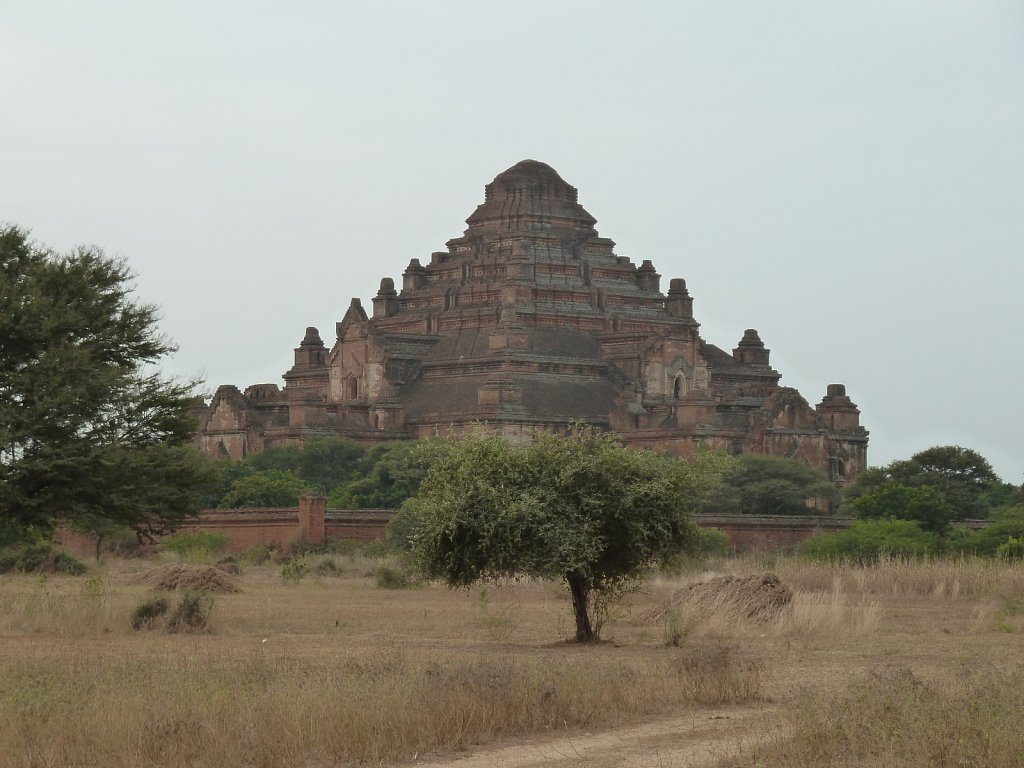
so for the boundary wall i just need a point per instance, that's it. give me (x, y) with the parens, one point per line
(313, 523)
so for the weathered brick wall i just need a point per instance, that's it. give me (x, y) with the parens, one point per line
(357, 524)
(756, 533)
(250, 527)
(281, 527)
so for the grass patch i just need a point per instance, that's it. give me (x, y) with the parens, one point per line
(384, 706)
(971, 717)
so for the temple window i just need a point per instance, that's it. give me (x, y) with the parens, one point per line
(353, 388)
(679, 389)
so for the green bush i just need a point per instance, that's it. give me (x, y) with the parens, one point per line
(192, 614)
(1007, 524)
(32, 557)
(196, 546)
(294, 570)
(8, 560)
(1011, 549)
(40, 557)
(402, 527)
(387, 576)
(374, 549)
(303, 548)
(257, 555)
(713, 542)
(866, 540)
(148, 613)
(66, 564)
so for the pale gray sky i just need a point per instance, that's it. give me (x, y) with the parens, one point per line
(846, 177)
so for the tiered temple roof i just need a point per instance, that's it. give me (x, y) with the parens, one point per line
(530, 320)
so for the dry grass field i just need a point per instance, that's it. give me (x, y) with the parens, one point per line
(909, 664)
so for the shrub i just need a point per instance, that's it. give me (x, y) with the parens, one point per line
(327, 567)
(196, 546)
(1011, 549)
(387, 576)
(65, 563)
(147, 613)
(403, 526)
(40, 557)
(713, 542)
(192, 614)
(257, 555)
(8, 560)
(343, 547)
(1007, 524)
(32, 557)
(374, 549)
(865, 540)
(294, 570)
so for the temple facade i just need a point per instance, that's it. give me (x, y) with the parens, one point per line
(529, 320)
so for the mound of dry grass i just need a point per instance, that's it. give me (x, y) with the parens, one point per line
(174, 576)
(761, 597)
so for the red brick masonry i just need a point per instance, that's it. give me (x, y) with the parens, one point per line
(313, 523)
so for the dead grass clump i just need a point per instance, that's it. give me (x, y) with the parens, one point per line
(175, 576)
(760, 597)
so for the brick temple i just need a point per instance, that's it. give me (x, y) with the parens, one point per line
(529, 320)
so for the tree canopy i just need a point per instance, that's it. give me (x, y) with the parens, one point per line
(340, 468)
(920, 503)
(959, 477)
(390, 474)
(582, 508)
(770, 485)
(89, 431)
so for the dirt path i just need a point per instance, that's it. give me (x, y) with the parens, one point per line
(697, 740)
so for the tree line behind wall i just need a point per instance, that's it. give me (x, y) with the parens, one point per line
(349, 475)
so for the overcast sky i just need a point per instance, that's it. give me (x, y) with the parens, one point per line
(846, 177)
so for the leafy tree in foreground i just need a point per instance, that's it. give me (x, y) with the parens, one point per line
(581, 508)
(89, 433)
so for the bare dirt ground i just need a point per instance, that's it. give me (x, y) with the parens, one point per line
(696, 740)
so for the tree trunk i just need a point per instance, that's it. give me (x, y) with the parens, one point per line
(580, 591)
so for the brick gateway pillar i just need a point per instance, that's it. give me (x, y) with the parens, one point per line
(311, 518)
